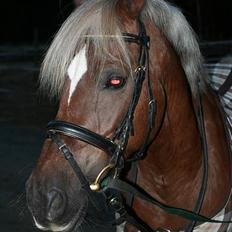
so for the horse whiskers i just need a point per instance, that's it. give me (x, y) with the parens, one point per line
(22, 212)
(27, 167)
(19, 206)
(18, 200)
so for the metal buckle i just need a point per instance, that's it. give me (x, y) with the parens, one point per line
(62, 146)
(140, 68)
(96, 185)
(151, 102)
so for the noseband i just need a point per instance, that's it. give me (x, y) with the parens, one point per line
(115, 147)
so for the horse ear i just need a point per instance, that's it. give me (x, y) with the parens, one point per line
(131, 7)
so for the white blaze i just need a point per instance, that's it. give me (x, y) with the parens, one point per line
(76, 70)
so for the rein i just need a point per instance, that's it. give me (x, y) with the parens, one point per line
(110, 188)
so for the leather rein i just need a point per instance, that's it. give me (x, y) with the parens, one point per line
(110, 189)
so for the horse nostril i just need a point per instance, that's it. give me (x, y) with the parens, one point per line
(56, 202)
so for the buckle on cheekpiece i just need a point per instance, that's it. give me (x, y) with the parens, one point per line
(96, 185)
(145, 41)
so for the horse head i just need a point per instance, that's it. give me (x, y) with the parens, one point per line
(118, 103)
(96, 92)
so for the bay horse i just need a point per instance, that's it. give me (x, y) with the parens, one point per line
(136, 119)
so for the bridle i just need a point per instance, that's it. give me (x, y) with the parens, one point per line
(115, 147)
(109, 189)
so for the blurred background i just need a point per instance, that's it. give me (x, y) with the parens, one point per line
(26, 30)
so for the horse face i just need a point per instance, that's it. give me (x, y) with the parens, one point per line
(98, 104)
(96, 95)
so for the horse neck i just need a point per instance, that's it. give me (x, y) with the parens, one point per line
(175, 154)
(174, 161)
(172, 170)
(177, 147)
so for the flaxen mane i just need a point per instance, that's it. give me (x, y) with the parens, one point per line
(97, 21)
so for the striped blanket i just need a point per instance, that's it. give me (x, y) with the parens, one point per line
(218, 73)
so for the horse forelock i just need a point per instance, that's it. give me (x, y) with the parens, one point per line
(96, 22)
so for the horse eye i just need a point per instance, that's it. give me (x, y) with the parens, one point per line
(115, 82)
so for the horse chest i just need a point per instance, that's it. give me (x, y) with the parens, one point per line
(224, 214)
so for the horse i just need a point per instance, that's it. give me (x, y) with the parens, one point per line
(137, 124)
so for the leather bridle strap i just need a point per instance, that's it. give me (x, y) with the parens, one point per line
(226, 85)
(93, 197)
(126, 129)
(204, 146)
(83, 134)
(124, 187)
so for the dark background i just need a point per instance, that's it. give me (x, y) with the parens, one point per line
(25, 21)
(26, 29)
